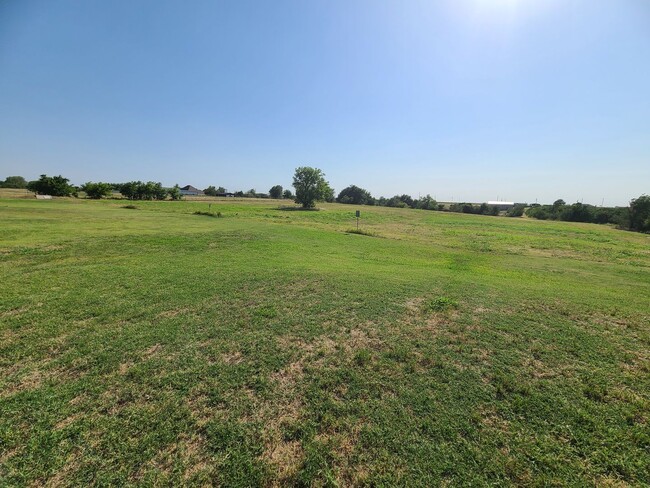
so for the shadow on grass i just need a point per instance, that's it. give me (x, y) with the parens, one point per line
(297, 209)
(361, 232)
(208, 214)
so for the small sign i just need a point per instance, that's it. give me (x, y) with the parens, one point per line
(358, 213)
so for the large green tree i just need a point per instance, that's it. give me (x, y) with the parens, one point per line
(276, 191)
(14, 182)
(640, 214)
(310, 186)
(97, 190)
(354, 195)
(56, 186)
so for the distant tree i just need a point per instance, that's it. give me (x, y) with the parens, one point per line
(577, 212)
(221, 190)
(13, 182)
(211, 191)
(396, 202)
(311, 186)
(57, 186)
(541, 212)
(96, 190)
(558, 204)
(354, 195)
(251, 193)
(175, 193)
(276, 191)
(427, 203)
(129, 190)
(287, 194)
(239, 193)
(137, 190)
(408, 200)
(467, 208)
(640, 214)
(494, 210)
(156, 190)
(516, 211)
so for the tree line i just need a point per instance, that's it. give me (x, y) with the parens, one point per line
(635, 217)
(310, 187)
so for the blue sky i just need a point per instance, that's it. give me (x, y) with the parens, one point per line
(467, 99)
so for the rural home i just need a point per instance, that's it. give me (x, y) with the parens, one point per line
(190, 190)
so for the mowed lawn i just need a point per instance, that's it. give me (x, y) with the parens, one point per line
(152, 346)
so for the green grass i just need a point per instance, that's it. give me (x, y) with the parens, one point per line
(267, 347)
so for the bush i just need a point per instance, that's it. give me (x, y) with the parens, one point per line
(276, 192)
(354, 195)
(57, 186)
(97, 190)
(137, 190)
(640, 214)
(516, 211)
(14, 182)
(175, 193)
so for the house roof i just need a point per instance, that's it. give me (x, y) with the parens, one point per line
(191, 188)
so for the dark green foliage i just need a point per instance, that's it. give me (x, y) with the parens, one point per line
(426, 203)
(396, 202)
(540, 212)
(137, 190)
(96, 190)
(56, 186)
(579, 212)
(213, 192)
(640, 214)
(175, 193)
(408, 200)
(275, 191)
(287, 194)
(354, 195)
(311, 186)
(13, 182)
(516, 211)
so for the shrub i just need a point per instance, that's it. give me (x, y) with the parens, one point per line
(96, 190)
(57, 186)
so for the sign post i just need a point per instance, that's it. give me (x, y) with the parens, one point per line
(358, 215)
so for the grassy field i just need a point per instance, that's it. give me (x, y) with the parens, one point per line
(272, 347)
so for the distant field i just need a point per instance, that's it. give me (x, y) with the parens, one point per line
(16, 193)
(271, 347)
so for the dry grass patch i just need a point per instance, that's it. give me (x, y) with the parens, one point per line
(234, 357)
